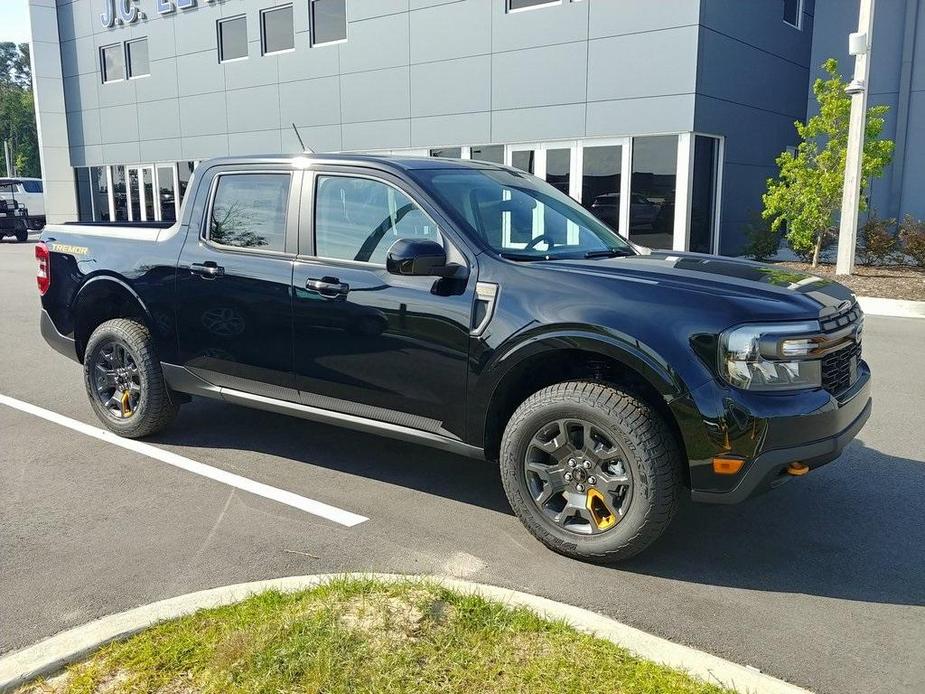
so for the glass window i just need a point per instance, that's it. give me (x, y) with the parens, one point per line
(119, 194)
(137, 52)
(559, 169)
(112, 63)
(232, 39)
(84, 195)
(489, 153)
(793, 13)
(520, 216)
(523, 159)
(32, 186)
(165, 191)
(600, 182)
(360, 219)
(277, 33)
(100, 187)
(514, 5)
(185, 173)
(329, 21)
(703, 193)
(448, 152)
(134, 195)
(655, 164)
(249, 211)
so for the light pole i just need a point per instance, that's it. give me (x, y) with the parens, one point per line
(859, 46)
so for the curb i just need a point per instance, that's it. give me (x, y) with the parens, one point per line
(896, 308)
(53, 654)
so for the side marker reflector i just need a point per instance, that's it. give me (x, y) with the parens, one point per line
(727, 466)
(797, 469)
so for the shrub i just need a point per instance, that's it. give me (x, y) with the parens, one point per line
(761, 240)
(878, 241)
(912, 237)
(806, 252)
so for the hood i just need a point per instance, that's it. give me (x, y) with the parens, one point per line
(722, 276)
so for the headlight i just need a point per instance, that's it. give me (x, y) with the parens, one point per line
(771, 357)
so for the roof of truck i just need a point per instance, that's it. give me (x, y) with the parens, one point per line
(396, 161)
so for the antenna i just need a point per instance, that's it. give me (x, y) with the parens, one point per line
(301, 143)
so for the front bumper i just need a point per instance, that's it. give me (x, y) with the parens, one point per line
(768, 431)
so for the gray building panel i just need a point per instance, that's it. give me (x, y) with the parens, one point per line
(463, 127)
(659, 114)
(544, 76)
(366, 48)
(451, 87)
(563, 23)
(453, 30)
(376, 95)
(637, 16)
(310, 102)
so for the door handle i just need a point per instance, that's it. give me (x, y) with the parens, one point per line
(327, 286)
(209, 269)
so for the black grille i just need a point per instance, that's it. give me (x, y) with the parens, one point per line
(840, 320)
(840, 369)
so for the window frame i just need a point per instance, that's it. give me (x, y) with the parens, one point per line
(307, 238)
(540, 5)
(103, 72)
(128, 61)
(263, 29)
(801, 5)
(218, 26)
(311, 28)
(292, 211)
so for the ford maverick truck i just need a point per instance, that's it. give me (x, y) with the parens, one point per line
(472, 308)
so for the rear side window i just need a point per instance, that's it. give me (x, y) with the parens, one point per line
(32, 186)
(360, 218)
(249, 211)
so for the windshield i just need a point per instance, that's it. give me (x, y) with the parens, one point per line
(520, 216)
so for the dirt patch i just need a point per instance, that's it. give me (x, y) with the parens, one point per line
(883, 281)
(393, 618)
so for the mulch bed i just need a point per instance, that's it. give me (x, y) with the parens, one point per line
(884, 281)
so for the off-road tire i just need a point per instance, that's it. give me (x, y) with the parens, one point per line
(654, 459)
(22, 235)
(157, 407)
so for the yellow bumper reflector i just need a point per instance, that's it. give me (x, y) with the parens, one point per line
(797, 469)
(603, 517)
(727, 466)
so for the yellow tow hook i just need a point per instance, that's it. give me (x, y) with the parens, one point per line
(126, 404)
(604, 519)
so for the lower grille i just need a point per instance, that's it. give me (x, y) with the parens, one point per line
(840, 369)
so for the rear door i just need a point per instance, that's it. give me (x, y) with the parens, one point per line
(366, 342)
(234, 281)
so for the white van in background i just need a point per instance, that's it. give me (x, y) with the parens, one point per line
(29, 193)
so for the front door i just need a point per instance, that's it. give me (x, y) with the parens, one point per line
(234, 278)
(366, 342)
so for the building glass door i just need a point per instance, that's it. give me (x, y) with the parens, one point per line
(141, 200)
(168, 204)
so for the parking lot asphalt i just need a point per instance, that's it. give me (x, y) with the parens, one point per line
(821, 583)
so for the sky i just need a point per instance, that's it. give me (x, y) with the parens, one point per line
(14, 20)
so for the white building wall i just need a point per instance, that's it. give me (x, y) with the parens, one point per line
(48, 86)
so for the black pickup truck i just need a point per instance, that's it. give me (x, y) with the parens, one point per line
(473, 308)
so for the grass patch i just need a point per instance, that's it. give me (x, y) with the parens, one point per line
(365, 636)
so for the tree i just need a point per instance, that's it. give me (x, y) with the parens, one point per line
(17, 109)
(807, 193)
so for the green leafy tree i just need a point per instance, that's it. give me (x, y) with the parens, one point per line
(807, 193)
(17, 109)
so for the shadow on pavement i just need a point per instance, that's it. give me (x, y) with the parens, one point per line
(854, 529)
(208, 424)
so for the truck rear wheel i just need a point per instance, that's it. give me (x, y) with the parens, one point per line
(22, 233)
(124, 380)
(591, 470)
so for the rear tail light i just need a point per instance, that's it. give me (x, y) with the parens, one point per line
(43, 273)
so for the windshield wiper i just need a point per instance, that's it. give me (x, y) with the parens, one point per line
(523, 257)
(609, 253)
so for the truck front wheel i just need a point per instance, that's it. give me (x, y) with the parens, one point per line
(124, 380)
(592, 470)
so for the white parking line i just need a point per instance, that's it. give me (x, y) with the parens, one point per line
(316, 508)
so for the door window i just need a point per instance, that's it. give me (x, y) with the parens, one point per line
(360, 218)
(249, 211)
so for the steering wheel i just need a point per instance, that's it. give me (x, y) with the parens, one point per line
(550, 241)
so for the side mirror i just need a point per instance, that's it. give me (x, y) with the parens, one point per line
(421, 257)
